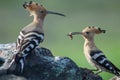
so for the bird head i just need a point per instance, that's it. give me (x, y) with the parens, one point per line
(88, 32)
(37, 9)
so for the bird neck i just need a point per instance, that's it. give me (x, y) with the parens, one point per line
(38, 19)
(90, 45)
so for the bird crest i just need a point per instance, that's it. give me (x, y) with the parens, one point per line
(37, 9)
(93, 29)
(32, 6)
(87, 32)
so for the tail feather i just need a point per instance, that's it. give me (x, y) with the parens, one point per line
(116, 71)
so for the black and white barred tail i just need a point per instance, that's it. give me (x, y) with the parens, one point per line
(103, 62)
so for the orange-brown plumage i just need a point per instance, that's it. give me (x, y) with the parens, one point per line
(32, 34)
(93, 54)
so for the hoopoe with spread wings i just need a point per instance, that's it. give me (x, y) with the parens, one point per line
(33, 34)
(94, 55)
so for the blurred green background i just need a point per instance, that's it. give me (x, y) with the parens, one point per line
(79, 14)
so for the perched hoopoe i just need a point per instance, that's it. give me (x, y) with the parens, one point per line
(31, 35)
(94, 55)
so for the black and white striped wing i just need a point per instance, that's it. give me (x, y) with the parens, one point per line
(26, 42)
(102, 61)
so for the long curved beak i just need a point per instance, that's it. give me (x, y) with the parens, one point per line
(70, 34)
(75, 33)
(56, 13)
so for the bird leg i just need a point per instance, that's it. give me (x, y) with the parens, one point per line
(98, 72)
(94, 69)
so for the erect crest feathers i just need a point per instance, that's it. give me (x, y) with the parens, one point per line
(96, 30)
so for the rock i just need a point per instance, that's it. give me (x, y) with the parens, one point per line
(1, 61)
(11, 77)
(40, 64)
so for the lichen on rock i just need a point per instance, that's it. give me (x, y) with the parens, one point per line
(40, 64)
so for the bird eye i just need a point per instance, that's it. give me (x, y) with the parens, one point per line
(87, 33)
(36, 3)
(41, 11)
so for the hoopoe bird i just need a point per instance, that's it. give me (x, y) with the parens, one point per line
(32, 34)
(93, 54)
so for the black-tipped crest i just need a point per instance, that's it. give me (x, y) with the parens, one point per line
(104, 31)
(99, 29)
(91, 27)
(24, 5)
(41, 5)
(30, 2)
(36, 3)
